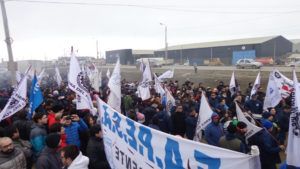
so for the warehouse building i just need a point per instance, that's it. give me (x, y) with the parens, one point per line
(127, 56)
(228, 52)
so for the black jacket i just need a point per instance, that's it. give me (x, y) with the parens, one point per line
(49, 159)
(95, 152)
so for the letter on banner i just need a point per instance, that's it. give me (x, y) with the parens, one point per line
(129, 144)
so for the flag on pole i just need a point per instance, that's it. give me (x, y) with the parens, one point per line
(170, 101)
(273, 96)
(144, 85)
(167, 75)
(142, 66)
(284, 84)
(108, 73)
(18, 76)
(95, 78)
(158, 87)
(256, 85)
(76, 80)
(114, 84)
(41, 75)
(252, 129)
(204, 117)
(35, 98)
(232, 85)
(100, 78)
(17, 100)
(81, 103)
(57, 76)
(293, 147)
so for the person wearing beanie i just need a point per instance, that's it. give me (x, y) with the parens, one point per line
(230, 141)
(214, 130)
(253, 105)
(49, 158)
(267, 116)
(269, 150)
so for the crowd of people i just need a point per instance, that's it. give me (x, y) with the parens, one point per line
(59, 136)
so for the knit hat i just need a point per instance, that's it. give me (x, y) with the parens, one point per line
(231, 128)
(52, 140)
(241, 125)
(266, 115)
(267, 124)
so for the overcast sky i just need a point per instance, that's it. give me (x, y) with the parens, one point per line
(48, 30)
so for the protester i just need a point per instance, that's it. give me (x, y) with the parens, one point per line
(72, 158)
(191, 123)
(253, 105)
(11, 157)
(59, 129)
(214, 131)
(23, 125)
(49, 158)
(178, 119)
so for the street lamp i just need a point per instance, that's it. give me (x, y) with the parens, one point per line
(166, 40)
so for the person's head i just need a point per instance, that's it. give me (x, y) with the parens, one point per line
(268, 116)
(222, 101)
(239, 98)
(215, 118)
(57, 109)
(6, 145)
(154, 104)
(241, 126)
(67, 117)
(68, 154)
(254, 97)
(40, 118)
(192, 112)
(231, 129)
(89, 120)
(132, 115)
(53, 140)
(12, 132)
(95, 131)
(273, 111)
(57, 128)
(260, 89)
(268, 125)
(213, 95)
(250, 84)
(287, 109)
(179, 108)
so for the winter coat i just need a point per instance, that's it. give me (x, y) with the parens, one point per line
(49, 159)
(95, 152)
(38, 136)
(24, 127)
(80, 162)
(164, 122)
(179, 126)
(213, 102)
(231, 142)
(213, 132)
(15, 160)
(149, 112)
(72, 132)
(24, 146)
(255, 106)
(191, 123)
(283, 121)
(51, 119)
(269, 151)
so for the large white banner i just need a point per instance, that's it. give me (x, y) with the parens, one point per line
(129, 144)
(170, 101)
(167, 75)
(144, 85)
(57, 76)
(256, 85)
(273, 96)
(284, 84)
(17, 100)
(114, 84)
(232, 85)
(204, 117)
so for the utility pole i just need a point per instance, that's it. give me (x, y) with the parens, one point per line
(8, 41)
(166, 40)
(97, 49)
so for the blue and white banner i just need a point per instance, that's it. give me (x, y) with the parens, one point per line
(129, 144)
(36, 97)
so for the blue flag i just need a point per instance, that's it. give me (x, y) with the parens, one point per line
(35, 98)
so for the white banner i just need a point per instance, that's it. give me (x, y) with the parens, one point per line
(158, 87)
(256, 85)
(108, 73)
(114, 84)
(17, 101)
(81, 103)
(204, 117)
(284, 84)
(252, 129)
(170, 101)
(76, 81)
(94, 79)
(129, 144)
(144, 85)
(293, 147)
(232, 85)
(57, 76)
(273, 96)
(41, 75)
(167, 75)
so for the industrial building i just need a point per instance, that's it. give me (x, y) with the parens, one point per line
(228, 52)
(127, 56)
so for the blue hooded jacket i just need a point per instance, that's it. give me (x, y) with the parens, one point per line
(213, 132)
(72, 132)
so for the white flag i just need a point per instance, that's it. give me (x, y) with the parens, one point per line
(293, 147)
(94, 78)
(170, 101)
(252, 129)
(204, 117)
(81, 103)
(114, 84)
(167, 75)
(41, 75)
(57, 76)
(18, 76)
(232, 85)
(158, 87)
(273, 96)
(76, 81)
(108, 73)
(256, 85)
(144, 85)
(284, 84)
(100, 78)
(142, 66)
(17, 101)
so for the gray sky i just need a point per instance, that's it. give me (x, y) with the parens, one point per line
(48, 30)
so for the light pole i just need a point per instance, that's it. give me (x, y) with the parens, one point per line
(166, 40)
(8, 41)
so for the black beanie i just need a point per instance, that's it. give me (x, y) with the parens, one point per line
(52, 140)
(231, 128)
(241, 125)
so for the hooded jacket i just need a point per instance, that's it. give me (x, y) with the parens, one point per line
(72, 132)
(38, 136)
(213, 132)
(80, 162)
(49, 159)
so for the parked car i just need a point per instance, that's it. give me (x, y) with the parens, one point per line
(248, 63)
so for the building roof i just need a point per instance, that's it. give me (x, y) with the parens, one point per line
(295, 41)
(234, 42)
(142, 52)
(294, 55)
